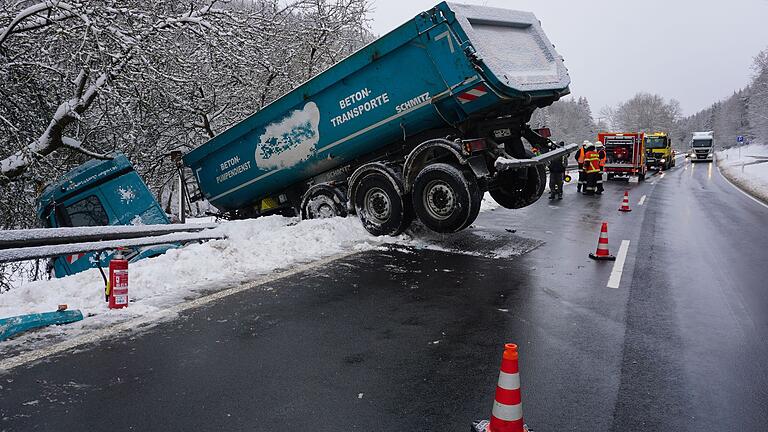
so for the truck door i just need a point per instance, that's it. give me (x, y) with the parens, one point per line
(80, 211)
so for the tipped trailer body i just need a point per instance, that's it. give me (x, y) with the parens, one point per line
(625, 154)
(418, 123)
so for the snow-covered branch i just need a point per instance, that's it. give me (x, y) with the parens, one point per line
(71, 110)
(83, 79)
(36, 21)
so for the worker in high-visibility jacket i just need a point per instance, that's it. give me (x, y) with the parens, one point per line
(591, 170)
(580, 160)
(600, 149)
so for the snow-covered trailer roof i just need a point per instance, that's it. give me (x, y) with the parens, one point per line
(513, 47)
(704, 135)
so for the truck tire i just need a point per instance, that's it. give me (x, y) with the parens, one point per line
(513, 192)
(476, 201)
(380, 204)
(323, 201)
(445, 199)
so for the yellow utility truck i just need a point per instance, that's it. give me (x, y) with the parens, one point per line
(658, 151)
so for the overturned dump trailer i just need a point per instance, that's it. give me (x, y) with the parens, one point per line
(418, 123)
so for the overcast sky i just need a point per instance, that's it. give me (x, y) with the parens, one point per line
(696, 51)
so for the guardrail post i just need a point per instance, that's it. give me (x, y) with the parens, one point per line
(176, 156)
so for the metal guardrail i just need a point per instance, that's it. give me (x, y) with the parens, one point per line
(21, 245)
(53, 236)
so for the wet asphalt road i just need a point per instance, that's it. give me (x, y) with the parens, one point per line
(397, 340)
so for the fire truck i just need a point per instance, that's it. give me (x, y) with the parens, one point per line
(625, 154)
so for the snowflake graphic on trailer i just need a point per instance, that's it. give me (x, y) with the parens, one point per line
(126, 195)
(291, 140)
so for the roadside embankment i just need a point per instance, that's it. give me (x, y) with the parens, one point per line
(747, 168)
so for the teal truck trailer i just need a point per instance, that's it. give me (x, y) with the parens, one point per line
(419, 123)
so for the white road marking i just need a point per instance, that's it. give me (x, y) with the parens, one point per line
(150, 320)
(618, 265)
(739, 189)
(642, 200)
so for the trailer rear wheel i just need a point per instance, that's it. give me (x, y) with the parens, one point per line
(323, 201)
(513, 192)
(445, 199)
(380, 205)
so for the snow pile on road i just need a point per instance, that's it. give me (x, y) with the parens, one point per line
(747, 171)
(253, 247)
(488, 203)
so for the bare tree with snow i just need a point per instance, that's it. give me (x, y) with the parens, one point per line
(82, 79)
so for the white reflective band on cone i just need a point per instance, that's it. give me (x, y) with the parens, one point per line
(509, 381)
(507, 412)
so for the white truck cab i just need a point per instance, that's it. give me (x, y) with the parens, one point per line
(703, 146)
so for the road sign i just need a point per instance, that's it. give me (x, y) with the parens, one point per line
(740, 138)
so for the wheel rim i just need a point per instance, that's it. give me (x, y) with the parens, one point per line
(378, 205)
(439, 200)
(322, 207)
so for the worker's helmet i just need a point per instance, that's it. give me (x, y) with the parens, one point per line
(586, 143)
(589, 147)
(599, 145)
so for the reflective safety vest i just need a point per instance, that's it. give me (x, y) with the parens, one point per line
(603, 157)
(580, 158)
(591, 162)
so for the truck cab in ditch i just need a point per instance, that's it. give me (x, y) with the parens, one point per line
(99, 193)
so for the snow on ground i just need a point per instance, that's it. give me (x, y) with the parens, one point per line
(742, 170)
(252, 248)
(488, 203)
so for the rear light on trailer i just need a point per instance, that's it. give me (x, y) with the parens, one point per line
(476, 145)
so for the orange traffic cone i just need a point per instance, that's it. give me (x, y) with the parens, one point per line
(625, 204)
(602, 246)
(507, 413)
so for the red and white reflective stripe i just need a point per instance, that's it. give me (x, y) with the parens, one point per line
(73, 258)
(509, 381)
(507, 405)
(602, 243)
(507, 413)
(472, 94)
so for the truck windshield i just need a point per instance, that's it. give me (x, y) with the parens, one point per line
(87, 212)
(655, 143)
(702, 143)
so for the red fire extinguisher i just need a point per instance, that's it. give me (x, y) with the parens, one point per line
(118, 281)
